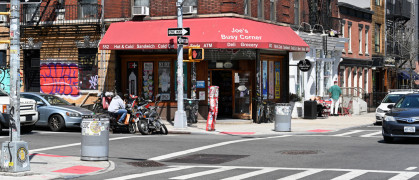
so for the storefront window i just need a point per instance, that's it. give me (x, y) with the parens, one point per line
(265, 79)
(132, 77)
(271, 80)
(164, 80)
(88, 72)
(277, 80)
(148, 80)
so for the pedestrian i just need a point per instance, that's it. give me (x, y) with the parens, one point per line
(335, 93)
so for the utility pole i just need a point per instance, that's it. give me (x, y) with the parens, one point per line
(180, 115)
(15, 156)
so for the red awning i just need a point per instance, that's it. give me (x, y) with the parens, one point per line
(210, 33)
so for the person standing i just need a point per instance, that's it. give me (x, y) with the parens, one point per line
(335, 93)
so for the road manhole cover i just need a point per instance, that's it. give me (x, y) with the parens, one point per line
(299, 152)
(146, 164)
(207, 158)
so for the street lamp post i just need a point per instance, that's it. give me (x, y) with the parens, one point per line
(180, 115)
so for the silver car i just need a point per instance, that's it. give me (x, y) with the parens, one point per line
(55, 112)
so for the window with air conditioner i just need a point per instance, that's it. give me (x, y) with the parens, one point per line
(189, 7)
(31, 12)
(88, 9)
(141, 8)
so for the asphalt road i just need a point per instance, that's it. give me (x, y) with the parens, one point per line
(348, 154)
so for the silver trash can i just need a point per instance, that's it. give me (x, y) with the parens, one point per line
(283, 117)
(95, 138)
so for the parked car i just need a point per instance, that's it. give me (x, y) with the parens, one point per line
(55, 112)
(403, 118)
(391, 98)
(28, 113)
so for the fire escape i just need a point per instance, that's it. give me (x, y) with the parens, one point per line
(60, 28)
(321, 12)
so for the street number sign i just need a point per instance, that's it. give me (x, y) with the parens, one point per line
(178, 32)
(183, 40)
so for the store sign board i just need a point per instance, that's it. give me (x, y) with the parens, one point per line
(304, 65)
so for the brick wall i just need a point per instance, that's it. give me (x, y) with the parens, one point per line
(117, 9)
(355, 37)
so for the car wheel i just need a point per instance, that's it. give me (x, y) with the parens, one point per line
(27, 129)
(56, 123)
(388, 139)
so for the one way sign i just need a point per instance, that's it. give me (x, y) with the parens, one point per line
(178, 32)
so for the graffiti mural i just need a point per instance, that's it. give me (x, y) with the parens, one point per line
(59, 78)
(5, 79)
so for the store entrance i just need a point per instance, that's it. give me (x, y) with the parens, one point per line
(224, 80)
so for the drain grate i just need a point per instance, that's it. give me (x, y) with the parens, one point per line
(207, 158)
(146, 164)
(299, 152)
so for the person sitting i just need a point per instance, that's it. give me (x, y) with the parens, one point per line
(320, 106)
(117, 106)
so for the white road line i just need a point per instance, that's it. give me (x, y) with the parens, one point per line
(180, 153)
(251, 174)
(411, 168)
(150, 173)
(203, 173)
(350, 132)
(301, 174)
(350, 175)
(404, 176)
(74, 144)
(371, 134)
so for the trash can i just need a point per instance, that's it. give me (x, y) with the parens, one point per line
(282, 117)
(310, 110)
(95, 138)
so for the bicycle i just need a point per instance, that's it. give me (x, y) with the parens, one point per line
(259, 111)
(269, 111)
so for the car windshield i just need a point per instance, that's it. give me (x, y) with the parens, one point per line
(3, 93)
(54, 100)
(408, 102)
(392, 98)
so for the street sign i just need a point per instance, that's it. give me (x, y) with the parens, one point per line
(182, 40)
(21, 1)
(178, 32)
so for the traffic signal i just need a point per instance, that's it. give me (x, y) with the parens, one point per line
(196, 54)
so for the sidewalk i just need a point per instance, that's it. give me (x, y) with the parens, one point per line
(47, 166)
(298, 126)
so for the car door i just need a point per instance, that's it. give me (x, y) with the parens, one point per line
(42, 108)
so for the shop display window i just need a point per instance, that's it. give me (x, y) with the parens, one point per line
(88, 68)
(148, 80)
(164, 80)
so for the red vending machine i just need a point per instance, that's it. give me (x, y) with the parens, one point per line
(213, 107)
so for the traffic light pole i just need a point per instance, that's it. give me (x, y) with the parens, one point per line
(180, 115)
(15, 157)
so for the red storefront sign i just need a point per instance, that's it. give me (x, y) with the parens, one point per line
(210, 33)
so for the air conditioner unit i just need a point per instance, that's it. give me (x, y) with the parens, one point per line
(189, 10)
(3, 18)
(140, 11)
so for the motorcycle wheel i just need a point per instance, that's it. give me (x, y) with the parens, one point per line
(131, 128)
(163, 129)
(143, 127)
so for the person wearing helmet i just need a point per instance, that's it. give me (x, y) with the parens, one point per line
(117, 106)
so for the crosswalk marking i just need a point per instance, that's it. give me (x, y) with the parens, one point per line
(371, 134)
(404, 176)
(203, 173)
(411, 168)
(251, 174)
(301, 174)
(350, 175)
(151, 173)
(350, 132)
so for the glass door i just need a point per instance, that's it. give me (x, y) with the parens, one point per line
(242, 88)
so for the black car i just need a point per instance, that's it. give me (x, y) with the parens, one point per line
(403, 118)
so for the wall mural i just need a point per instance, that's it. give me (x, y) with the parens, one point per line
(59, 78)
(5, 79)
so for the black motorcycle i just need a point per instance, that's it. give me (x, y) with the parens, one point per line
(149, 120)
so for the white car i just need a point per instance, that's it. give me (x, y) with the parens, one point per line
(391, 98)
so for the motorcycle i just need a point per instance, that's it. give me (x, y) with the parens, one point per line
(149, 120)
(130, 119)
